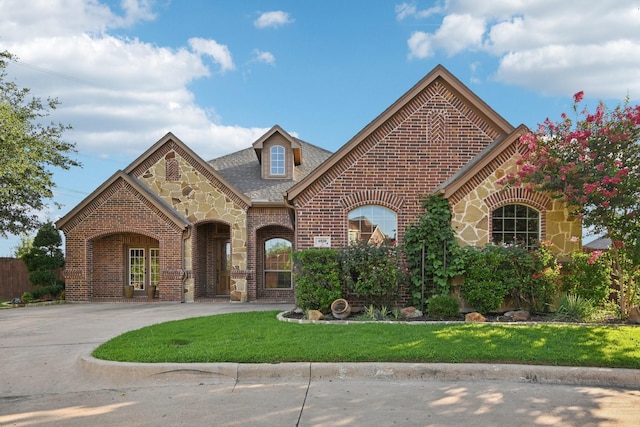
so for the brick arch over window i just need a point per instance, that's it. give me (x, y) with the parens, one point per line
(520, 196)
(123, 230)
(372, 197)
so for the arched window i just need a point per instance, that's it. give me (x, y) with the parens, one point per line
(373, 224)
(517, 224)
(277, 160)
(277, 264)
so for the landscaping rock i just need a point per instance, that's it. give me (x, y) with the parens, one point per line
(410, 313)
(517, 316)
(315, 315)
(474, 317)
(634, 315)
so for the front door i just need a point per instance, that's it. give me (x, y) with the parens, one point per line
(223, 264)
(144, 267)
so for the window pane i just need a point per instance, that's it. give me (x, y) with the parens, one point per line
(277, 263)
(154, 266)
(510, 211)
(509, 225)
(521, 211)
(373, 224)
(277, 279)
(518, 224)
(277, 160)
(136, 268)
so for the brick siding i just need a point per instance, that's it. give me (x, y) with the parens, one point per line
(97, 242)
(405, 158)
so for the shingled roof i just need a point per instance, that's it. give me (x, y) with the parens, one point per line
(242, 169)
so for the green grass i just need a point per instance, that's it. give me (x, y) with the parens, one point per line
(258, 337)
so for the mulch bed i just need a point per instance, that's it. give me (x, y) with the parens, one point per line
(491, 318)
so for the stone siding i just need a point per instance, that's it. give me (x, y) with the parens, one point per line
(472, 211)
(199, 198)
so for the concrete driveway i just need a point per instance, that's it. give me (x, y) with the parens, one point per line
(47, 377)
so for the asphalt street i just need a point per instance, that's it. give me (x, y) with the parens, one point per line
(48, 378)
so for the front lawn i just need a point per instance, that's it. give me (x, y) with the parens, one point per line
(258, 337)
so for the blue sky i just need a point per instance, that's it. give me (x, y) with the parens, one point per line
(219, 73)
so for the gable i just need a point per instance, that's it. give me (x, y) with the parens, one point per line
(173, 171)
(114, 200)
(493, 160)
(439, 124)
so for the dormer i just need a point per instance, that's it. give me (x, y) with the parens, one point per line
(278, 154)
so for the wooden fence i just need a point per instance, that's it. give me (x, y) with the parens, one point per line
(14, 279)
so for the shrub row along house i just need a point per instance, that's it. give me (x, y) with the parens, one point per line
(225, 229)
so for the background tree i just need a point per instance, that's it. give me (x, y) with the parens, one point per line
(25, 245)
(45, 257)
(28, 151)
(593, 164)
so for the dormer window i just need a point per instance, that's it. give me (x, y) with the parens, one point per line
(277, 160)
(278, 154)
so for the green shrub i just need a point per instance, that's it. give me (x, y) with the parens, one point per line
(317, 278)
(443, 306)
(47, 291)
(588, 276)
(574, 308)
(537, 275)
(370, 271)
(486, 282)
(493, 272)
(27, 297)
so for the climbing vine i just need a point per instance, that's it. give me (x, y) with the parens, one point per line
(433, 233)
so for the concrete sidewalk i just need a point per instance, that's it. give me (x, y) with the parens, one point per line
(48, 377)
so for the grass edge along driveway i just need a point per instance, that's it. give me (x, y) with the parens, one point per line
(258, 337)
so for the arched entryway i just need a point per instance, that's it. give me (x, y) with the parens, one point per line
(212, 260)
(122, 259)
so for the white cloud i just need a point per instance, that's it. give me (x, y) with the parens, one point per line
(120, 94)
(137, 10)
(264, 57)
(272, 19)
(547, 46)
(420, 45)
(456, 33)
(220, 53)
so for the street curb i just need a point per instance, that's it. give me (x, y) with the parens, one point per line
(310, 371)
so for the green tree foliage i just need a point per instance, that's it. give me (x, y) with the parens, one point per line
(432, 232)
(28, 151)
(25, 245)
(45, 257)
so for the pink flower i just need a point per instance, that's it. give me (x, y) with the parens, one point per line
(578, 96)
(594, 257)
